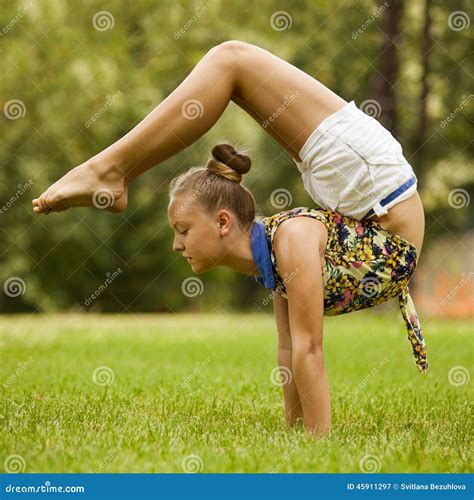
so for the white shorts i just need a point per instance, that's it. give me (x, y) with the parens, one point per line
(352, 164)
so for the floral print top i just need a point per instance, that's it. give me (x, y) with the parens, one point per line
(364, 266)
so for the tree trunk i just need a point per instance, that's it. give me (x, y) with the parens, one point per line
(388, 67)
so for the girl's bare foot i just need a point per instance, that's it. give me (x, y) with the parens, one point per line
(84, 186)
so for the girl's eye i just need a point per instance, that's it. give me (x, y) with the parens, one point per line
(183, 232)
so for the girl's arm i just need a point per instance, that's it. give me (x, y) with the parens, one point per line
(297, 250)
(293, 408)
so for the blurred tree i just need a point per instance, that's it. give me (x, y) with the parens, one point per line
(76, 76)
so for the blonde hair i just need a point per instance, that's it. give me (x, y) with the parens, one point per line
(218, 185)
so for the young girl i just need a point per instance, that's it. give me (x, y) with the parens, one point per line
(317, 262)
(348, 161)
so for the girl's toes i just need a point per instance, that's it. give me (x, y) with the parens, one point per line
(45, 203)
(41, 204)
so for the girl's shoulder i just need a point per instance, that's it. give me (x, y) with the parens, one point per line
(272, 222)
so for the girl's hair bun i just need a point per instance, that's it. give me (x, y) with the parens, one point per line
(228, 162)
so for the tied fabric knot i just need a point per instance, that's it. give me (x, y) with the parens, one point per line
(415, 335)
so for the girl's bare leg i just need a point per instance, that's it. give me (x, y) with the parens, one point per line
(286, 102)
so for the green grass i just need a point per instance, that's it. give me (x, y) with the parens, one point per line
(200, 385)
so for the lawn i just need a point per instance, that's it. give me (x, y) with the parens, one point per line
(196, 393)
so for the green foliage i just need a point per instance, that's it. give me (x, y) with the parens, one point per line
(81, 89)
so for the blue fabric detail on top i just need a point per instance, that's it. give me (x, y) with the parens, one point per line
(261, 255)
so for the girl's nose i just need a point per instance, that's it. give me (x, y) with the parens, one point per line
(177, 246)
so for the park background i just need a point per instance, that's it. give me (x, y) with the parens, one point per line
(76, 76)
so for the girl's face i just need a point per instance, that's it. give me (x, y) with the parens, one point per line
(197, 235)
